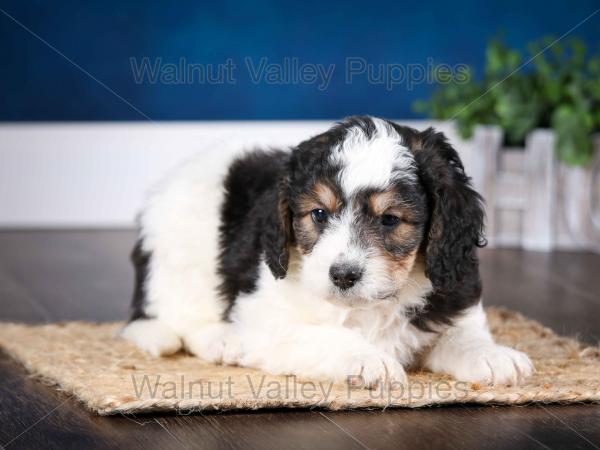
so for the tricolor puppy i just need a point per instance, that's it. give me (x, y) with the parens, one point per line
(352, 255)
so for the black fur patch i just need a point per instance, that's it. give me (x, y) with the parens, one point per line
(252, 222)
(456, 221)
(140, 260)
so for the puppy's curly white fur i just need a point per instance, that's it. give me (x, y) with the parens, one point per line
(346, 256)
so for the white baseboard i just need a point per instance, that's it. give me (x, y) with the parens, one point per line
(94, 175)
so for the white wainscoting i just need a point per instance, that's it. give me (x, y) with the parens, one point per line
(94, 175)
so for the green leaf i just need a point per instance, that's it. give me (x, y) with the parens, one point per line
(559, 89)
(573, 134)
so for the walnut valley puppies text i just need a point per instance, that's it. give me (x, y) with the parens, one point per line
(294, 71)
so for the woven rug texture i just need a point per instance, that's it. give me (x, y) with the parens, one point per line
(110, 376)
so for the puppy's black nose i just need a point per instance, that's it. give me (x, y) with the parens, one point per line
(345, 276)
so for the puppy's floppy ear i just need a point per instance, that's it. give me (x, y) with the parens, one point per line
(457, 217)
(277, 234)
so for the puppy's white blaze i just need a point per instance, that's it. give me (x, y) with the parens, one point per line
(373, 162)
(335, 245)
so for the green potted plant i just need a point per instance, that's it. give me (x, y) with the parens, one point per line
(546, 104)
(558, 87)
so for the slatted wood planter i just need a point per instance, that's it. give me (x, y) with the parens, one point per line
(533, 200)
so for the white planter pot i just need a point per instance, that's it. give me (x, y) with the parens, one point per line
(578, 223)
(533, 200)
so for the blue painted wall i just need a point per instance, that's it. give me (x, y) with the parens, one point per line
(103, 38)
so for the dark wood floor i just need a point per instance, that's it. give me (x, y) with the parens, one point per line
(50, 276)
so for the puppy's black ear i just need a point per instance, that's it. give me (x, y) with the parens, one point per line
(277, 230)
(457, 218)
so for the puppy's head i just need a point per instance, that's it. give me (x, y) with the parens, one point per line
(363, 202)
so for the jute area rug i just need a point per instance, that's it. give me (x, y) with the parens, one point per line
(110, 376)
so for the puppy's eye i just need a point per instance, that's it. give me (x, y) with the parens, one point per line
(389, 221)
(319, 215)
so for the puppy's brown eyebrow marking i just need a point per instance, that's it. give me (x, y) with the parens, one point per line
(321, 196)
(327, 196)
(381, 201)
(387, 202)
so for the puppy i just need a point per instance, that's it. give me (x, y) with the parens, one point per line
(353, 255)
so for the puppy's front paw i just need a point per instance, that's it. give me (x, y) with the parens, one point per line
(232, 351)
(215, 343)
(371, 370)
(152, 336)
(492, 364)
